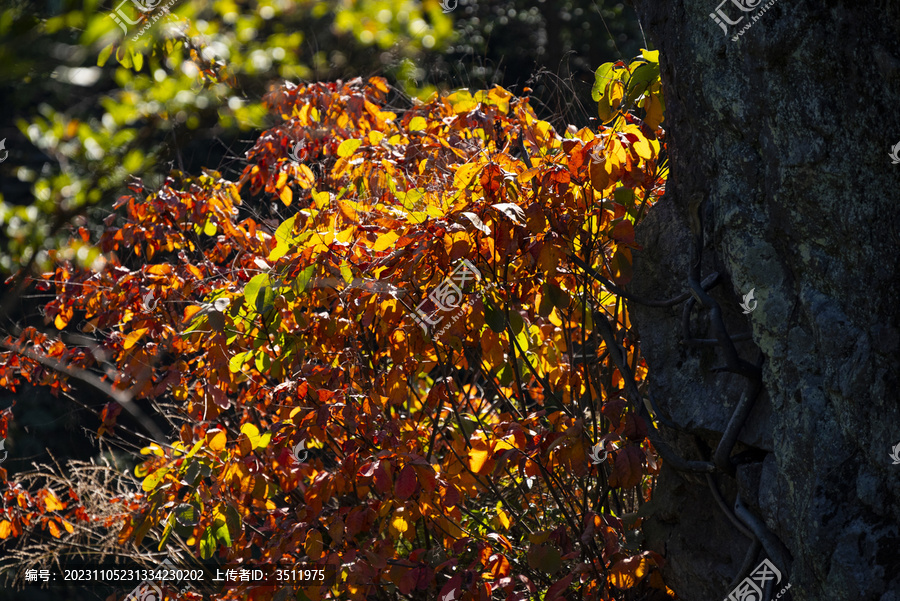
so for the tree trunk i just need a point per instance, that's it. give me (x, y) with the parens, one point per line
(779, 147)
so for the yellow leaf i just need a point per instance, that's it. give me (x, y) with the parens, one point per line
(348, 147)
(69, 527)
(52, 503)
(281, 181)
(385, 241)
(217, 442)
(5, 527)
(321, 199)
(464, 174)
(346, 235)
(417, 124)
(286, 196)
(305, 177)
(252, 432)
(504, 518)
(399, 524)
(133, 337)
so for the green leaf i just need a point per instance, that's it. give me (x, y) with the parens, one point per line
(237, 362)
(303, 279)
(346, 273)
(494, 318)
(255, 291)
(151, 481)
(640, 80)
(282, 238)
(104, 55)
(263, 361)
(220, 529)
(207, 544)
(558, 296)
(170, 523)
(544, 558)
(516, 321)
(602, 77)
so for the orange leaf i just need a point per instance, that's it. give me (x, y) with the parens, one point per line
(54, 529)
(313, 545)
(5, 527)
(620, 265)
(627, 572)
(599, 175)
(478, 458)
(286, 196)
(160, 269)
(62, 318)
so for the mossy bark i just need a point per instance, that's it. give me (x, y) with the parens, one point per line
(781, 138)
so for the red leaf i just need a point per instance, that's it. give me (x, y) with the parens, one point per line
(626, 471)
(557, 589)
(406, 483)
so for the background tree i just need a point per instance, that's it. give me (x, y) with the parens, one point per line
(786, 190)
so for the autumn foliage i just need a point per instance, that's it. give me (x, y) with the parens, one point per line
(454, 461)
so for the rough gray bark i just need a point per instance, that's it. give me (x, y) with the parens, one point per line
(783, 137)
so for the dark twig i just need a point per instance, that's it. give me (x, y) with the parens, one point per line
(722, 457)
(775, 549)
(749, 563)
(714, 489)
(124, 398)
(708, 283)
(637, 402)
